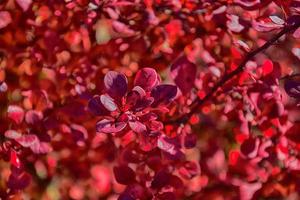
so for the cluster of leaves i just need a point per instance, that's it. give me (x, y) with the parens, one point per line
(152, 99)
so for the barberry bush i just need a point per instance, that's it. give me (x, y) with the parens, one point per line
(150, 99)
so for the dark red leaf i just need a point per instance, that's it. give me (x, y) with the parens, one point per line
(160, 179)
(146, 78)
(184, 74)
(124, 174)
(249, 148)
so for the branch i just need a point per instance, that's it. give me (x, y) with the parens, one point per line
(198, 102)
(290, 76)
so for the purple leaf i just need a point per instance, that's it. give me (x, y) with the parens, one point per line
(292, 88)
(160, 179)
(163, 94)
(18, 179)
(115, 84)
(96, 107)
(262, 26)
(108, 103)
(146, 78)
(190, 141)
(166, 145)
(293, 20)
(109, 126)
(184, 74)
(124, 174)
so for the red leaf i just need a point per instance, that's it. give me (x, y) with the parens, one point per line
(184, 74)
(16, 113)
(14, 160)
(267, 67)
(146, 78)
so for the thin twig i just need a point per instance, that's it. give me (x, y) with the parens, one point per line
(290, 76)
(198, 102)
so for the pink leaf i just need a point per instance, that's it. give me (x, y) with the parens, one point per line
(24, 4)
(41, 148)
(27, 140)
(265, 26)
(137, 126)
(16, 113)
(12, 134)
(233, 23)
(122, 28)
(3, 87)
(5, 19)
(296, 34)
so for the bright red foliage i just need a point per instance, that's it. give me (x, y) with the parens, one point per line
(149, 99)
